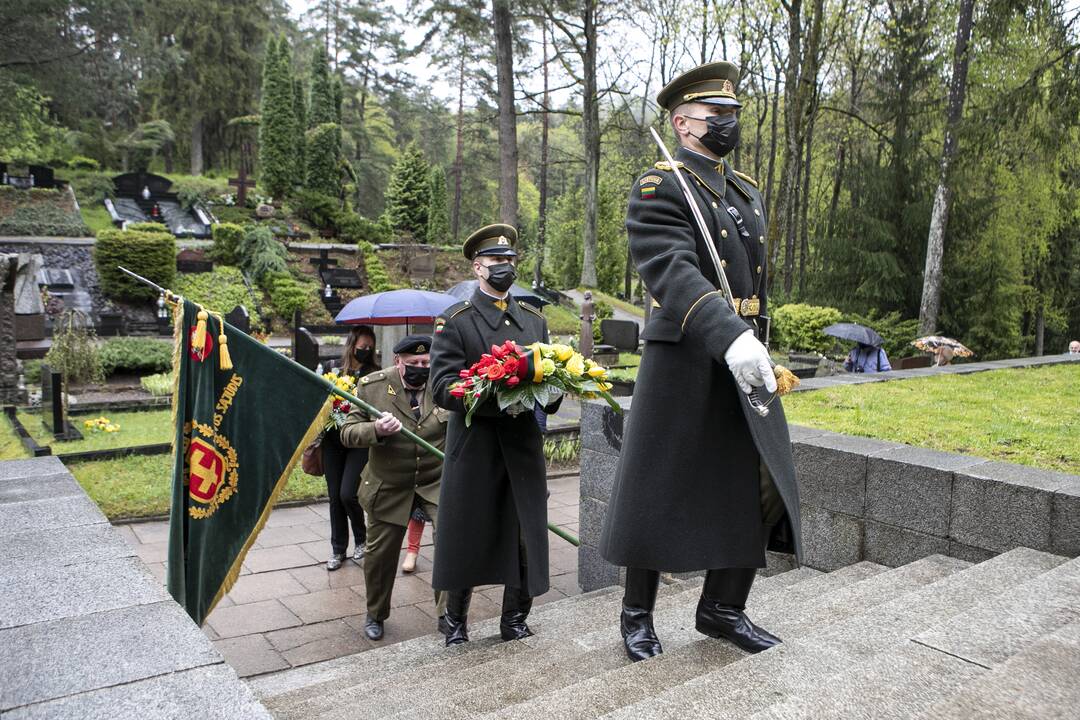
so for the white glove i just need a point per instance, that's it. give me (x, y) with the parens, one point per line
(749, 362)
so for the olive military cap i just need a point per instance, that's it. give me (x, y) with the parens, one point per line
(712, 83)
(413, 345)
(497, 239)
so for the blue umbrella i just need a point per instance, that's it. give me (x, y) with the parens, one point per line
(395, 307)
(465, 289)
(855, 332)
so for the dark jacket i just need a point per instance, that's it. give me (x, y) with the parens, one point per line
(687, 489)
(494, 483)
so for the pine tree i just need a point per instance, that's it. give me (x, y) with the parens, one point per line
(277, 124)
(339, 98)
(300, 115)
(323, 143)
(438, 229)
(322, 91)
(408, 195)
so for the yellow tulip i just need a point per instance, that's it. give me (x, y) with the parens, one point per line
(575, 365)
(596, 371)
(563, 352)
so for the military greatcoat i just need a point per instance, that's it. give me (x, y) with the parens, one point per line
(494, 484)
(687, 490)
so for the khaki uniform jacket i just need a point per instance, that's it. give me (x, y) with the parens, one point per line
(398, 468)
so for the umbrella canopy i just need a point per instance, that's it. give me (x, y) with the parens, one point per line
(395, 307)
(856, 333)
(930, 343)
(464, 290)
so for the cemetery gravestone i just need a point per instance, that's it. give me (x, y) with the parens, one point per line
(420, 264)
(53, 415)
(241, 182)
(264, 211)
(306, 348)
(10, 391)
(335, 277)
(29, 309)
(239, 318)
(620, 334)
(191, 260)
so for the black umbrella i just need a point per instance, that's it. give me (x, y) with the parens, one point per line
(856, 333)
(464, 290)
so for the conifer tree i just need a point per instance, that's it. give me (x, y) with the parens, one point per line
(277, 130)
(300, 115)
(408, 194)
(323, 143)
(322, 91)
(438, 229)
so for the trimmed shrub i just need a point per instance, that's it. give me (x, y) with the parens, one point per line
(150, 227)
(220, 290)
(158, 384)
(323, 148)
(135, 354)
(190, 189)
(277, 129)
(81, 162)
(356, 228)
(150, 254)
(261, 254)
(227, 241)
(377, 277)
(408, 194)
(438, 230)
(287, 294)
(32, 371)
(316, 208)
(798, 326)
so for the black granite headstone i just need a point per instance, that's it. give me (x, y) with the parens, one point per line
(307, 349)
(110, 324)
(621, 334)
(53, 416)
(239, 318)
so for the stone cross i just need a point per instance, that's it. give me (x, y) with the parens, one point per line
(588, 315)
(241, 182)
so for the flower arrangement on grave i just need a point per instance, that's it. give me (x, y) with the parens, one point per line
(101, 424)
(339, 407)
(521, 378)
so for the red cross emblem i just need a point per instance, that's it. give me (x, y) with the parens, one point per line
(206, 470)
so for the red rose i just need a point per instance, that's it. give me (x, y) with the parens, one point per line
(512, 381)
(495, 372)
(510, 346)
(510, 365)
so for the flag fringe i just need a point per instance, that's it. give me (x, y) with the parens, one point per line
(178, 354)
(234, 572)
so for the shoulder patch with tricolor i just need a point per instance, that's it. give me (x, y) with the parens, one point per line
(440, 323)
(648, 191)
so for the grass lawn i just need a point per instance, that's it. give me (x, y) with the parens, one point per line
(136, 428)
(1026, 416)
(96, 217)
(615, 302)
(11, 448)
(140, 486)
(562, 321)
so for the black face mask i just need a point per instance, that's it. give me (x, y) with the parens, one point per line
(363, 355)
(721, 135)
(501, 276)
(416, 376)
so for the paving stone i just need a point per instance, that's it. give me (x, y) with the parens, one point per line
(32, 593)
(30, 468)
(55, 514)
(893, 546)
(597, 474)
(150, 532)
(80, 544)
(47, 660)
(153, 552)
(912, 487)
(300, 515)
(325, 604)
(1038, 683)
(318, 642)
(1065, 519)
(831, 540)
(265, 586)
(280, 558)
(251, 618)
(831, 471)
(286, 535)
(58, 485)
(214, 690)
(999, 506)
(404, 623)
(251, 655)
(1005, 624)
(409, 590)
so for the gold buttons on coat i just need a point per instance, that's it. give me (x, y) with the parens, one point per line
(761, 239)
(723, 232)
(714, 204)
(506, 321)
(723, 263)
(759, 269)
(757, 212)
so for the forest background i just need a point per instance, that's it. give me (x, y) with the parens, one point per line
(881, 133)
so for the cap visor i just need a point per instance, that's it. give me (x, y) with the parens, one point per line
(499, 252)
(727, 102)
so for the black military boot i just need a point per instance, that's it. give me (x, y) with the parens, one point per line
(720, 612)
(515, 609)
(636, 621)
(456, 618)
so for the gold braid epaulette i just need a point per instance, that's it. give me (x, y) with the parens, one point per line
(460, 310)
(666, 166)
(530, 308)
(746, 177)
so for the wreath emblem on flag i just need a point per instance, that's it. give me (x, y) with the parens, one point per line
(210, 467)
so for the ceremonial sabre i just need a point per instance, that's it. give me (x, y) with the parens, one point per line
(760, 408)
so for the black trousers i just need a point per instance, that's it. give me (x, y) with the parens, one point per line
(343, 466)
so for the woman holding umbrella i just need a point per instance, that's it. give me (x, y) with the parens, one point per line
(867, 356)
(343, 465)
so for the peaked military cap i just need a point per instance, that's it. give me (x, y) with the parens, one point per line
(413, 345)
(712, 83)
(497, 239)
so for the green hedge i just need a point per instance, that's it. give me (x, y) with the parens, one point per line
(797, 326)
(150, 254)
(377, 277)
(287, 294)
(219, 290)
(135, 354)
(148, 226)
(355, 228)
(228, 239)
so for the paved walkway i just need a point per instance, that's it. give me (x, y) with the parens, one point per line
(287, 610)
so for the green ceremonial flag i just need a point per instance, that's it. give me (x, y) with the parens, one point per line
(239, 432)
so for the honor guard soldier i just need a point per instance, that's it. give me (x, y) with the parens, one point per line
(400, 475)
(493, 503)
(704, 482)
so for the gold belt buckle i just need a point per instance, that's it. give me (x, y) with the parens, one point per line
(748, 307)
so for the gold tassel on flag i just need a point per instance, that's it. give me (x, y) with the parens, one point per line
(198, 341)
(224, 359)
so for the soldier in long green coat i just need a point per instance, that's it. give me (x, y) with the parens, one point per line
(400, 475)
(704, 482)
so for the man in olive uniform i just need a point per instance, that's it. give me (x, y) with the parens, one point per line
(704, 482)
(493, 502)
(400, 474)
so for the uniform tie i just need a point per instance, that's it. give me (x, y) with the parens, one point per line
(414, 403)
(501, 304)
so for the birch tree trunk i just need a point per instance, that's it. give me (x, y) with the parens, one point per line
(459, 153)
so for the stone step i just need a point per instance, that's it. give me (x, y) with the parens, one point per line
(1038, 683)
(807, 673)
(894, 677)
(565, 661)
(631, 682)
(319, 691)
(744, 684)
(365, 664)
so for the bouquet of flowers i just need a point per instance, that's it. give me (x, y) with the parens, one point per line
(339, 407)
(521, 378)
(101, 424)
